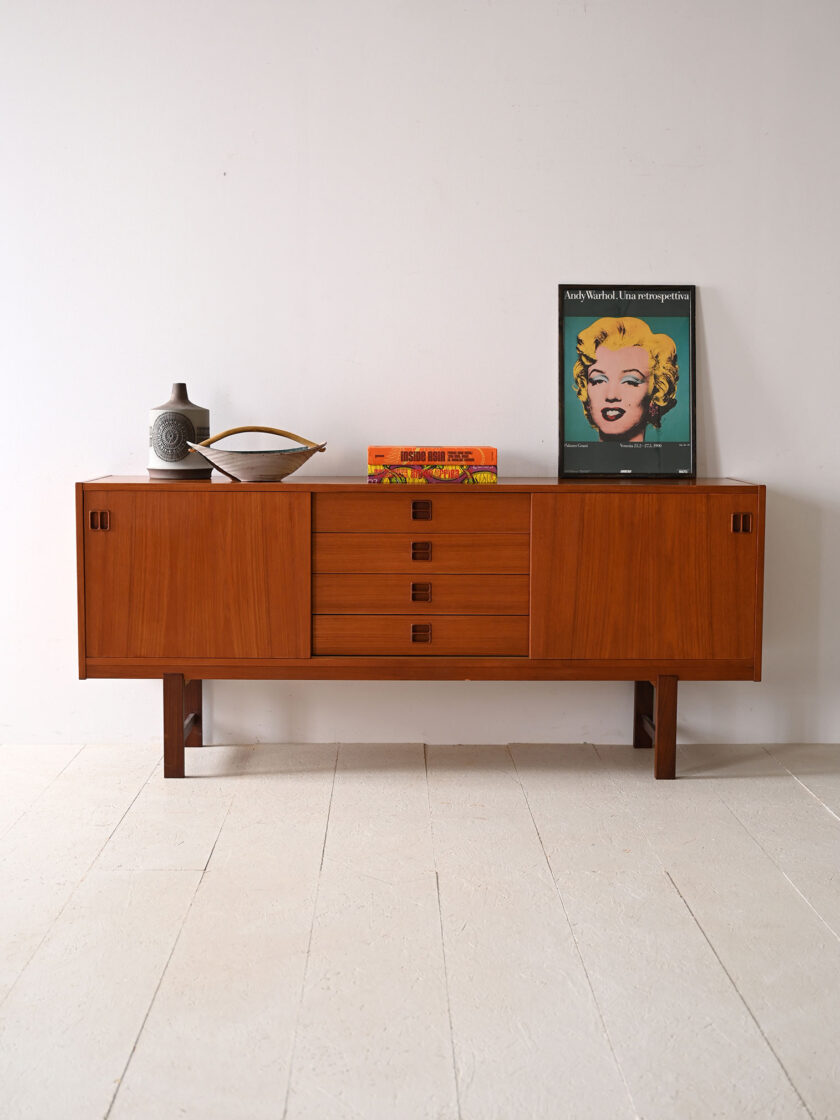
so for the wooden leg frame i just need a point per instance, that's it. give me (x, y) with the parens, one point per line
(181, 721)
(655, 723)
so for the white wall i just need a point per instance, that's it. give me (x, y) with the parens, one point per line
(350, 219)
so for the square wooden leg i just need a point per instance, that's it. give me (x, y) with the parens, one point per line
(665, 732)
(173, 725)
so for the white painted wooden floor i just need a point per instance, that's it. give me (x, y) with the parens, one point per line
(386, 931)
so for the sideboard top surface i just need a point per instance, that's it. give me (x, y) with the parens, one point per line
(320, 483)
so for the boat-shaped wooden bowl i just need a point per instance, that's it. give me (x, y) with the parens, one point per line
(257, 466)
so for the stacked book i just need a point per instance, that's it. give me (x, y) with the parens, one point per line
(401, 465)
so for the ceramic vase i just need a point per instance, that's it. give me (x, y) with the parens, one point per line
(172, 426)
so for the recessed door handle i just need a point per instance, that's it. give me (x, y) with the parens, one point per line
(742, 522)
(421, 550)
(421, 632)
(99, 520)
(421, 509)
(421, 593)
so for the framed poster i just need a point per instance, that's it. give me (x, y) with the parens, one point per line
(627, 381)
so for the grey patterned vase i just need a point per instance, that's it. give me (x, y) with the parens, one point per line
(171, 427)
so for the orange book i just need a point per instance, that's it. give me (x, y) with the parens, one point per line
(433, 455)
(412, 474)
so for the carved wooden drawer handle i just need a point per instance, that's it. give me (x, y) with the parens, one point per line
(421, 593)
(421, 509)
(741, 522)
(421, 632)
(421, 550)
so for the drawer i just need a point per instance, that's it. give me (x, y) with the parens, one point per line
(378, 512)
(407, 552)
(438, 594)
(411, 635)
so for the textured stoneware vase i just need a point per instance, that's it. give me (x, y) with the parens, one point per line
(172, 427)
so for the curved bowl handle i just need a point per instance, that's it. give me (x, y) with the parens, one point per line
(271, 431)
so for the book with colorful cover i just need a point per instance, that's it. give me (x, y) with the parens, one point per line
(433, 455)
(413, 474)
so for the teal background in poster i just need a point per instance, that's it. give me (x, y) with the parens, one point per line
(676, 425)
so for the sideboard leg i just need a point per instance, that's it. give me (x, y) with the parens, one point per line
(173, 725)
(665, 735)
(194, 736)
(643, 714)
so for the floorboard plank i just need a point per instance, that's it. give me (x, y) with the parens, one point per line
(816, 765)
(92, 980)
(529, 1039)
(217, 1040)
(781, 957)
(373, 1037)
(171, 826)
(686, 1044)
(794, 828)
(51, 847)
(28, 771)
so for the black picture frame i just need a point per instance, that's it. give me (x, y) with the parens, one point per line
(633, 421)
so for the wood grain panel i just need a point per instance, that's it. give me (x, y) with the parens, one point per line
(212, 574)
(80, 576)
(109, 575)
(759, 581)
(466, 668)
(447, 594)
(643, 576)
(385, 512)
(392, 552)
(479, 635)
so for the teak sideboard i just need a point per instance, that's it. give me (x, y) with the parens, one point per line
(335, 579)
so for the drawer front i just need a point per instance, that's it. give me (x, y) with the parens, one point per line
(418, 594)
(421, 552)
(379, 512)
(413, 635)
